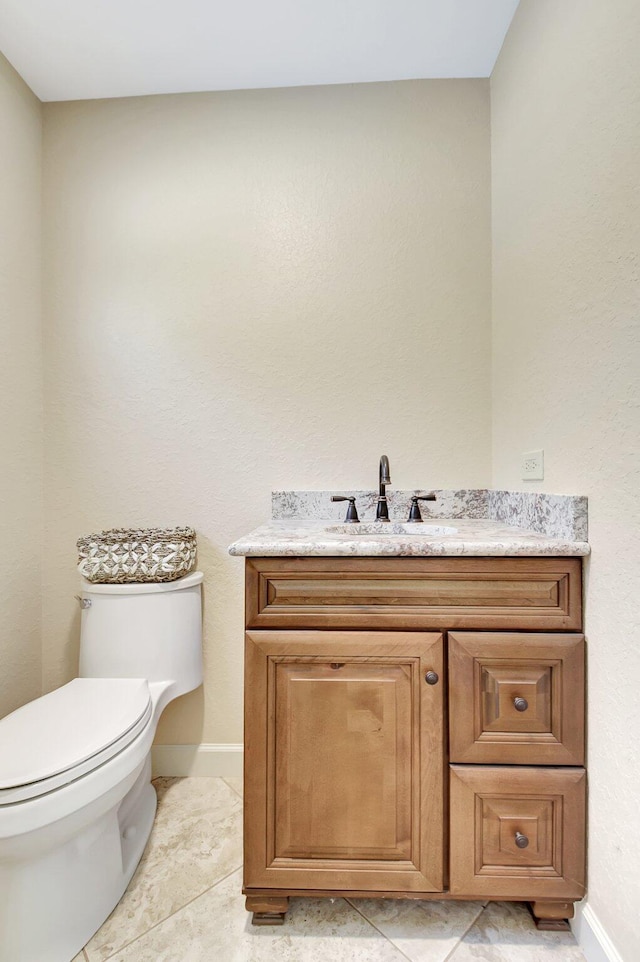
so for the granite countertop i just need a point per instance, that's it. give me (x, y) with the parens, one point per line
(479, 537)
(459, 522)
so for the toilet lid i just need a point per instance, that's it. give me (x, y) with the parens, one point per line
(75, 727)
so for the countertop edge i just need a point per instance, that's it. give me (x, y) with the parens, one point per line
(245, 549)
(457, 537)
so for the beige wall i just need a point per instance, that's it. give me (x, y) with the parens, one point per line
(20, 391)
(566, 300)
(257, 290)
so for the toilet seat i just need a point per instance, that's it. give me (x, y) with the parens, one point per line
(69, 732)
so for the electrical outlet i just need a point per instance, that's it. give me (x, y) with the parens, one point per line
(533, 466)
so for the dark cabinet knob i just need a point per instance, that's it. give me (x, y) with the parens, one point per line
(432, 678)
(520, 704)
(521, 840)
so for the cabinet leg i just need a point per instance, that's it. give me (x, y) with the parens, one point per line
(267, 911)
(552, 916)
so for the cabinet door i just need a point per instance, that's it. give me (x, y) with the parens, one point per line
(344, 775)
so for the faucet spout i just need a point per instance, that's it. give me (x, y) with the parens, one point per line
(384, 478)
(383, 474)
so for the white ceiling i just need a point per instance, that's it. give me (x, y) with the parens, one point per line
(81, 49)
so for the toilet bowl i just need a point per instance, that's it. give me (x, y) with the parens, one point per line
(76, 800)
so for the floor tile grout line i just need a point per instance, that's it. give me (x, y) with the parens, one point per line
(465, 933)
(374, 926)
(171, 914)
(234, 790)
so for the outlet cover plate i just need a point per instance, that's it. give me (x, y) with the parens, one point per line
(533, 466)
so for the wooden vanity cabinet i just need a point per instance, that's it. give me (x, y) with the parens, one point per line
(393, 749)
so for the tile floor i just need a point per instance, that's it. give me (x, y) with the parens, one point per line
(184, 904)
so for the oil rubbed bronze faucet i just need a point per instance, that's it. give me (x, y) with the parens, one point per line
(382, 510)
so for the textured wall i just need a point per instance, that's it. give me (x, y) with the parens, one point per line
(566, 297)
(20, 391)
(257, 290)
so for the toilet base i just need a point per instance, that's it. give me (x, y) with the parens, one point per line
(52, 903)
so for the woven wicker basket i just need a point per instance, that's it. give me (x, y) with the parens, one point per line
(126, 555)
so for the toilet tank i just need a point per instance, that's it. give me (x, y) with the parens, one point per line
(151, 631)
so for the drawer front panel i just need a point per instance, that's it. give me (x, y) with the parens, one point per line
(516, 698)
(517, 832)
(535, 593)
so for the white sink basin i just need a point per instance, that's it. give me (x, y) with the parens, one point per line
(392, 528)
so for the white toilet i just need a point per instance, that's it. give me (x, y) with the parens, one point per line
(76, 800)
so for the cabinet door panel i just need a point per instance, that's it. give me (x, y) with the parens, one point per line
(339, 727)
(516, 698)
(350, 797)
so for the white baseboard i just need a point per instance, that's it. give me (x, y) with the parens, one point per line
(182, 760)
(592, 937)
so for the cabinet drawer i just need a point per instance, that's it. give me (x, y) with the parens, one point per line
(516, 698)
(494, 811)
(511, 593)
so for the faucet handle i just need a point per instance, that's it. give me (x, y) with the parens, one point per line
(352, 514)
(414, 513)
